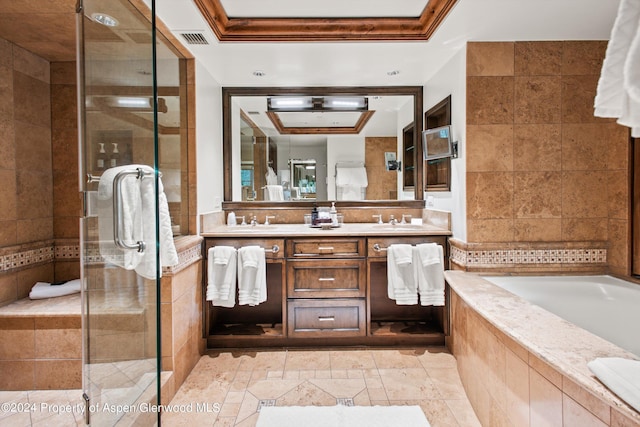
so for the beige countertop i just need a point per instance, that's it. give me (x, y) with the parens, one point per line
(348, 229)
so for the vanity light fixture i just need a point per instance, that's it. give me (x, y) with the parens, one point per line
(104, 19)
(137, 103)
(326, 103)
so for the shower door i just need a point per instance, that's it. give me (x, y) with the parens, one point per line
(118, 133)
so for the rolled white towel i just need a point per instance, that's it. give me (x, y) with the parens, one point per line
(42, 290)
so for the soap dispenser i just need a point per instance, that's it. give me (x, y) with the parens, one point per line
(333, 213)
(231, 219)
(314, 215)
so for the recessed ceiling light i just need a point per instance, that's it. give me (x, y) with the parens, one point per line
(104, 19)
(259, 73)
(393, 73)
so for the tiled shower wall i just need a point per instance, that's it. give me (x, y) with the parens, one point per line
(26, 217)
(543, 174)
(37, 130)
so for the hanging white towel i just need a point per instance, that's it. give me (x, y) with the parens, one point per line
(252, 275)
(42, 290)
(221, 276)
(429, 271)
(168, 254)
(274, 192)
(356, 177)
(621, 376)
(619, 79)
(138, 222)
(131, 218)
(401, 284)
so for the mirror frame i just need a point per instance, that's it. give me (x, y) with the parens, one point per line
(229, 92)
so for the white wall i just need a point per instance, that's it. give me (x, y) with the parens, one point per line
(451, 80)
(349, 148)
(208, 142)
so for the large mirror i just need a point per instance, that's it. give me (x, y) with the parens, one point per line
(314, 151)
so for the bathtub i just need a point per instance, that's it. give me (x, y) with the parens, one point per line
(523, 365)
(603, 305)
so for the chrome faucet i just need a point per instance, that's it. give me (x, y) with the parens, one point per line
(392, 220)
(404, 221)
(254, 221)
(379, 216)
(266, 219)
(243, 221)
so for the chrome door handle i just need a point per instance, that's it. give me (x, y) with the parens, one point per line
(326, 279)
(139, 246)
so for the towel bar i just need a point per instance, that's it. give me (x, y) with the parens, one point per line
(377, 248)
(275, 249)
(95, 178)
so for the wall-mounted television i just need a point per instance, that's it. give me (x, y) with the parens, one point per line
(436, 143)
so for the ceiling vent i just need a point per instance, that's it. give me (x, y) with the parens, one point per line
(194, 38)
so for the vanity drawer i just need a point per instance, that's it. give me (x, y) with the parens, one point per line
(376, 246)
(325, 248)
(268, 244)
(326, 318)
(326, 278)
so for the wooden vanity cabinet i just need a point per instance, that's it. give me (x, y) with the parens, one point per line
(325, 291)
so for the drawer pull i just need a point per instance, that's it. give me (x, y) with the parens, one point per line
(327, 279)
(326, 318)
(325, 248)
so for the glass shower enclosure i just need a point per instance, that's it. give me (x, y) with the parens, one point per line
(118, 117)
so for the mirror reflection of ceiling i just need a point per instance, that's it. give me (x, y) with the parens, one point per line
(382, 123)
(325, 8)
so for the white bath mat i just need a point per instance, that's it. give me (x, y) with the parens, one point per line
(342, 416)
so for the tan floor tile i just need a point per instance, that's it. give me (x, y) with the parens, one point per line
(396, 359)
(437, 358)
(448, 383)
(248, 407)
(339, 374)
(323, 373)
(234, 397)
(225, 422)
(274, 374)
(248, 422)
(355, 374)
(272, 389)
(362, 398)
(340, 387)
(463, 412)
(438, 413)
(360, 359)
(297, 360)
(306, 374)
(306, 394)
(403, 384)
(229, 409)
(291, 375)
(267, 360)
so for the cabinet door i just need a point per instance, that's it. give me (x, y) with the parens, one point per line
(343, 247)
(326, 278)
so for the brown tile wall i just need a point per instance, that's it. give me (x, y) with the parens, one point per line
(540, 167)
(26, 192)
(382, 183)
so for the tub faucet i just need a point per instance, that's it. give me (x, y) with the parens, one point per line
(379, 218)
(392, 220)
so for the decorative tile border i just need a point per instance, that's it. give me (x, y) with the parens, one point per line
(24, 258)
(509, 257)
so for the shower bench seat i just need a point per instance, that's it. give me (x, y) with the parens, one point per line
(42, 343)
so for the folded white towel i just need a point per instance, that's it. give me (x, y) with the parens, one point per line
(429, 272)
(252, 275)
(621, 376)
(401, 284)
(221, 276)
(618, 79)
(42, 290)
(350, 192)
